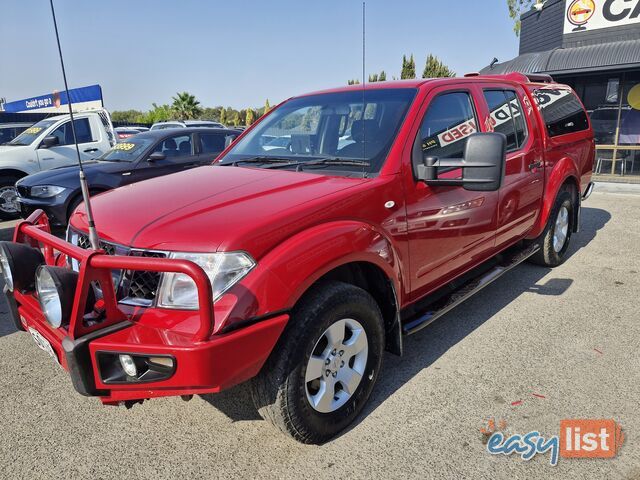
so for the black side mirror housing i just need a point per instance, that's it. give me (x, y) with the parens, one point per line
(482, 165)
(50, 141)
(156, 156)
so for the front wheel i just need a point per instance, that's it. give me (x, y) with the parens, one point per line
(554, 240)
(322, 371)
(9, 209)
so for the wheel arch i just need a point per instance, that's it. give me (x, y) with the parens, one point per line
(563, 174)
(349, 251)
(13, 172)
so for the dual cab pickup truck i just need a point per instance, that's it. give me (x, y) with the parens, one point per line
(296, 267)
(49, 144)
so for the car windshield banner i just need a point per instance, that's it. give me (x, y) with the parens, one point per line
(84, 98)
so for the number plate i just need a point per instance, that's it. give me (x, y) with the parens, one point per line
(43, 343)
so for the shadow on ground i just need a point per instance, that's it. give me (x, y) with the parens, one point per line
(424, 348)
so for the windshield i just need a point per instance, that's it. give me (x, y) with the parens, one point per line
(30, 134)
(127, 151)
(327, 126)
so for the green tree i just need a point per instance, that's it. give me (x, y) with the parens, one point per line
(267, 106)
(223, 116)
(434, 68)
(250, 117)
(185, 106)
(408, 67)
(517, 8)
(382, 77)
(236, 119)
(353, 82)
(158, 113)
(126, 116)
(373, 78)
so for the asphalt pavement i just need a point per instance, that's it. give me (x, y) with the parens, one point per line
(534, 348)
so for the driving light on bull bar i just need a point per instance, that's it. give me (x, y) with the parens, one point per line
(128, 365)
(56, 288)
(224, 270)
(19, 263)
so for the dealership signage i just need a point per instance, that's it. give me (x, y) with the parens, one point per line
(85, 98)
(587, 15)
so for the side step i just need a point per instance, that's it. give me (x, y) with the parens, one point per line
(506, 261)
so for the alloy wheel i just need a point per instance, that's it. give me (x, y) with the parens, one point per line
(561, 229)
(336, 366)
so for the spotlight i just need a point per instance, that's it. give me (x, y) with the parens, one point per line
(19, 264)
(56, 287)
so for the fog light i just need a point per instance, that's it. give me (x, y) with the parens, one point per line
(19, 263)
(128, 365)
(56, 288)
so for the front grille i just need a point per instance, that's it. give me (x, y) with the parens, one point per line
(23, 191)
(83, 242)
(139, 287)
(144, 285)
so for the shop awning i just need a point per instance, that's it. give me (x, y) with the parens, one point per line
(601, 57)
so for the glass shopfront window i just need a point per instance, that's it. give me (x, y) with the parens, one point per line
(613, 104)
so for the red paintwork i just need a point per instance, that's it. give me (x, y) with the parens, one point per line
(299, 226)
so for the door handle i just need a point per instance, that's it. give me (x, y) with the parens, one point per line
(89, 150)
(537, 164)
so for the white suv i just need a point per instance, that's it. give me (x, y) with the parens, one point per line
(185, 124)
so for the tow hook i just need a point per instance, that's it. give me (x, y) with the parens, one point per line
(186, 398)
(130, 403)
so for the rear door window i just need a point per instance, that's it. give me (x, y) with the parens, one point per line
(83, 132)
(561, 110)
(505, 112)
(214, 143)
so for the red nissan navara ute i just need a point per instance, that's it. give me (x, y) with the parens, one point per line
(295, 264)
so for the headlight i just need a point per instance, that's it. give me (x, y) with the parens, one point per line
(56, 288)
(223, 269)
(46, 191)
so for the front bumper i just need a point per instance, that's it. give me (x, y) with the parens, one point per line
(55, 208)
(204, 362)
(206, 367)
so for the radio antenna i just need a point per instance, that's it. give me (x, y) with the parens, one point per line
(93, 234)
(364, 83)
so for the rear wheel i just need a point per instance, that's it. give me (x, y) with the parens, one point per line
(9, 209)
(322, 372)
(554, 240)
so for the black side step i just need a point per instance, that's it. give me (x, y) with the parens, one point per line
(508, 260)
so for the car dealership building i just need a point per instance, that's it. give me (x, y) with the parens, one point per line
(594, 46)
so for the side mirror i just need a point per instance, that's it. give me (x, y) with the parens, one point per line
(50, 141)
(482, 165)
(156, 156)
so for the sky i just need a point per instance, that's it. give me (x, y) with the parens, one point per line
(237, 53)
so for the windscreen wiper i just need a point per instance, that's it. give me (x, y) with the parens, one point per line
(259, 159)
(323, 161)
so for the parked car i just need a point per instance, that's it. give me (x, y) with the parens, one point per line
(296, 268)
(123, 133)
(49, 144)
(186, 124)
(145, 155)
(9, 131)
(278, 142)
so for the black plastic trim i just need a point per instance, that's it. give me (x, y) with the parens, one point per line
(79, 359)
(13, 309)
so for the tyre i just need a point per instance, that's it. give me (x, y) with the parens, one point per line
(554, 240)
(323, 369)
(8, 194)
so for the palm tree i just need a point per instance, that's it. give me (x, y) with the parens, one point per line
(185, 106)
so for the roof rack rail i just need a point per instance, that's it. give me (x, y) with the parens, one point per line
(539, 77)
